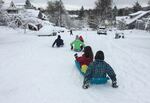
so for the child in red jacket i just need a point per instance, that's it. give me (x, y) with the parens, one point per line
(85, 59)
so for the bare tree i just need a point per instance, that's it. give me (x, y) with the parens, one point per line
(103, 10)
(58, 14)
(55, 10)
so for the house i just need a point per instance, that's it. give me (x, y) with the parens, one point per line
(140, 15)
(131, 20)
(12, 9)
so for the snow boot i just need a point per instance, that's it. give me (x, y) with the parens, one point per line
(85, 86)
(114, 84)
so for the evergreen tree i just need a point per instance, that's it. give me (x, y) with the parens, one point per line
(28, 4)
(81, 13)
(115, 12)
(120, 12)
(137, 7)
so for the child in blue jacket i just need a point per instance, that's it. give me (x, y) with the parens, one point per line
(98, 70)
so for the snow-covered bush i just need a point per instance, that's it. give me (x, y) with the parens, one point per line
(3, 18)
(14, 21)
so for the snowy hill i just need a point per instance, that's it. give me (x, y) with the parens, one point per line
(31, 71)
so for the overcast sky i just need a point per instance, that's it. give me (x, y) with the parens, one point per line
(76, 4)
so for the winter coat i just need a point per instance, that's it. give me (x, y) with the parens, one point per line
(84, 60)
(59, 42)
(76, 44)
(99, 69)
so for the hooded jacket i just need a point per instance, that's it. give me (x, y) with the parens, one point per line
(99, 69)
(59, 42)
(77, 44)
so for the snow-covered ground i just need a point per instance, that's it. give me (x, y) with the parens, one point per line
(31, 71)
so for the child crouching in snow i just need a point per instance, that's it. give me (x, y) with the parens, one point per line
(97, 72)
(85, 59)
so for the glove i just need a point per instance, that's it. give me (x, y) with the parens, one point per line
(85, 86)
(114, 84)
(76, 55)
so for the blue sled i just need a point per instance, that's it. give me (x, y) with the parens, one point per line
(93, 80)
(79, 67)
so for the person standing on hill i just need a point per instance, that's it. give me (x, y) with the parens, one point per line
(71, 33)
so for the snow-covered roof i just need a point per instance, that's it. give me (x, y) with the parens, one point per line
(32, 12)
(73, 16)
(131, 20)
(120, 18)
(137, 13)
(20, 5)
(12, 6)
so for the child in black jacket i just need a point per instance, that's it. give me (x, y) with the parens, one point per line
(59, 42)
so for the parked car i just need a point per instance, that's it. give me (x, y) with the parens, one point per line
(102, 30)
(119, 35)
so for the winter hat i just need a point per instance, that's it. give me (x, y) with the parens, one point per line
(77, 37)
(59, 36)
(100, 55)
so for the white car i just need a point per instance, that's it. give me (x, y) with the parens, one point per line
(102, 30)
(119, 35)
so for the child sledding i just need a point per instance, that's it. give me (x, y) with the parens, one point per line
(83, 61)
(59, 42)
(97, 71)
(77, 45)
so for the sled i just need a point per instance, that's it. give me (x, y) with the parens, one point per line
(93, 80)
(43, 35)
(53, 34)
(79, 67)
